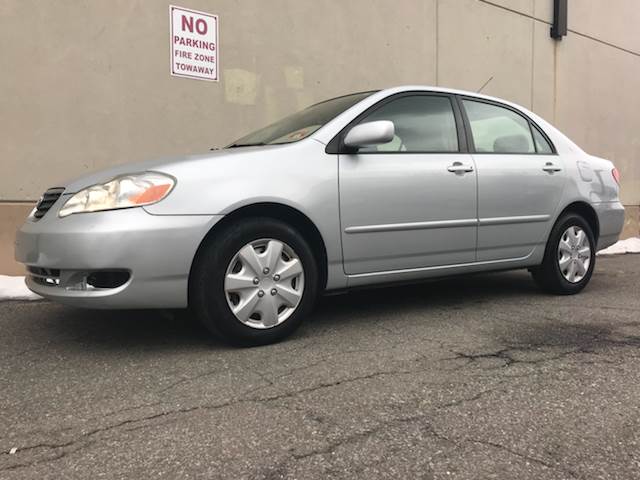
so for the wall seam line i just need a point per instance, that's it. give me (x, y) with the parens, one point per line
(555, 82)
(437, 30)
(604, 42)
(522, 14)
(575, 32)
(533, 60)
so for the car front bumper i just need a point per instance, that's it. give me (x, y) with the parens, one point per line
(154, 251)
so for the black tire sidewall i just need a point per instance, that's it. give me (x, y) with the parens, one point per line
(207, 281)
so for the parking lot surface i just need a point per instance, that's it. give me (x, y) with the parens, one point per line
(471, 377)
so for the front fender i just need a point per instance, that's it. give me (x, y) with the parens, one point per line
(300, 175)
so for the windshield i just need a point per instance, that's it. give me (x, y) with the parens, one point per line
(301, 124)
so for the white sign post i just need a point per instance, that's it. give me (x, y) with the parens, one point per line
(194, 44)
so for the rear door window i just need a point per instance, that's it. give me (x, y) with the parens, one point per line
(497, 129)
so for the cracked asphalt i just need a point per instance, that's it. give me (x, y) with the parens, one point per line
(470, 377)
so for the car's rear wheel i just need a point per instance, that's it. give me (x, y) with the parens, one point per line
(570, 257)
(254, 282)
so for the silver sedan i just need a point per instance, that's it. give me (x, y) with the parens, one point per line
(376, 187)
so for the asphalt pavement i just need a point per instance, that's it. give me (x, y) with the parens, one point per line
(472, 377)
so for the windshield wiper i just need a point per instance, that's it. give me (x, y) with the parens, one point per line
(258, 144)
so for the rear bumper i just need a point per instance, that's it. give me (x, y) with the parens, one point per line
(156, 251)
(611, 221)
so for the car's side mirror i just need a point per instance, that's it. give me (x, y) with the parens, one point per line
(370, 133)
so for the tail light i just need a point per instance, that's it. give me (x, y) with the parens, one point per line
(616, 175)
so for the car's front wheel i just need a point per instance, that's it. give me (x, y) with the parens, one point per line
(253, 282)
(570, 257)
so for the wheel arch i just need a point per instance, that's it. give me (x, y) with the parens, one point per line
(284, 213)
(587, 212)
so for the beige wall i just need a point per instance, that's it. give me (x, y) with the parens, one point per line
(86, 84)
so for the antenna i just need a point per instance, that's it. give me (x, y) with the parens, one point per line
(485, 84)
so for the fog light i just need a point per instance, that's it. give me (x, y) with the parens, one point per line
(108, 278)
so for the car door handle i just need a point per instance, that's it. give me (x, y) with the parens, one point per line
(550, 167)
(458, 167)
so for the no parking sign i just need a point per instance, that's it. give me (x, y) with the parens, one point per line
(194, 44)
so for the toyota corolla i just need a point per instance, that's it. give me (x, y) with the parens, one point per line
(377, 187)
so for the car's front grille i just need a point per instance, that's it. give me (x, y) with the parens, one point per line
(47, 201)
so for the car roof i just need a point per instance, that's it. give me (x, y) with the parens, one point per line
(452, 91)
(384, 92)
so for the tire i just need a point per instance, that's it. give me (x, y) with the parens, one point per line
(555, 273)
(216, 286)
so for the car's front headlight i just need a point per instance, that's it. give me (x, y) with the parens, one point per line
(122, 192)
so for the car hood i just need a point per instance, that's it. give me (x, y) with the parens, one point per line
(165, 164)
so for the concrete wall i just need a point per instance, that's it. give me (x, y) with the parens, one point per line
(86, 84)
